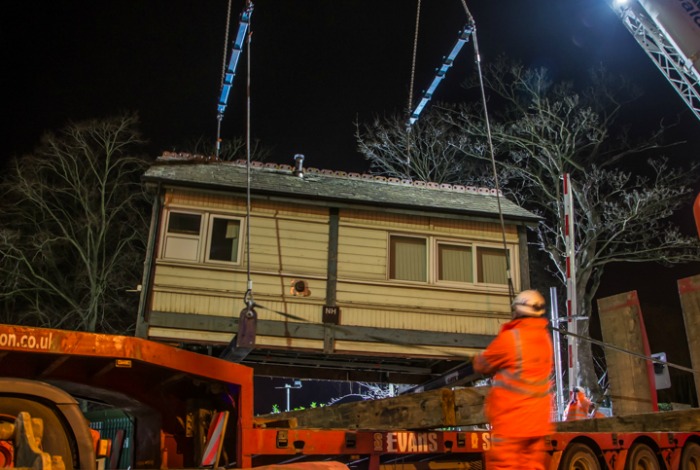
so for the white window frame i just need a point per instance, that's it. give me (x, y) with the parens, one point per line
(203, 238)
(208, 241)
(169, 237)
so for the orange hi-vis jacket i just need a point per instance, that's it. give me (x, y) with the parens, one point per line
(520, 358)
(579, 408)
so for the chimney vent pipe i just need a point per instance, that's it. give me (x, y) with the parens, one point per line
(299, 165)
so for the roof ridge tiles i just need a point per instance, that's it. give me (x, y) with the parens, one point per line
(184, 157)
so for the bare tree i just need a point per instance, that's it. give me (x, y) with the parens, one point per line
(73, 229)
(231, 149)
(366, 391)
(544, 130)
(433, 149)
(540, 131)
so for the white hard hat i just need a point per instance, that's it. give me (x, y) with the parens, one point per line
(529, 303)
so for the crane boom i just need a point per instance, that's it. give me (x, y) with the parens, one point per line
(440, 74)
(669, 32)
(236, 51)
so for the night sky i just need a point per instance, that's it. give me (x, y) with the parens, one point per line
(317, 67)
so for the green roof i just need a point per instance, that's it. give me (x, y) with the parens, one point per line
(187, 171)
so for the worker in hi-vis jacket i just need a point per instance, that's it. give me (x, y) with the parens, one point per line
(519, 403)
(579, 407)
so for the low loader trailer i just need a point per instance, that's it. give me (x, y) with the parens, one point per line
(188, 410)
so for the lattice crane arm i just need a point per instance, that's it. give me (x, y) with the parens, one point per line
(669, 32)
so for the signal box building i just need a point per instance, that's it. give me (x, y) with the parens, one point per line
(354, 277)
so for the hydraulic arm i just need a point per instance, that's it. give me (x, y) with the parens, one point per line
(236, 51)
(464, 35)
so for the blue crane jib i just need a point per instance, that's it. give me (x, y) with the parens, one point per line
(464, 35)
(236, 51)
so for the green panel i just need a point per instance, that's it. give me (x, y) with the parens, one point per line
(108, 422)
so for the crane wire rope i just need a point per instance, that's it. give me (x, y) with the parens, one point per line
(411, 85)
(413, 59)
(509, 277)
(223, 75)
(248, 298)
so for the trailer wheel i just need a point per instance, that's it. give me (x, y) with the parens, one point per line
(690, 460)
(641, 457)
(579, 457)
(55, 440)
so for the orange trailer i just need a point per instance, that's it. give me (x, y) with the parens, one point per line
(175, 399)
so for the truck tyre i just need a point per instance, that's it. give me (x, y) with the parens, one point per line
(690, 459)
(55, 440)
(641, 457)
(579, 457)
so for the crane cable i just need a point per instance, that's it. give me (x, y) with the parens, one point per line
(411, 85)
(248, 297)
(413, 59)
(509, 276)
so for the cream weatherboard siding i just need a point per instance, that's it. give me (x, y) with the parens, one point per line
(290, 242)
(199, 301)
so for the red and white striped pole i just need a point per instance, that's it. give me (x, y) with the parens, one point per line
(571, 305)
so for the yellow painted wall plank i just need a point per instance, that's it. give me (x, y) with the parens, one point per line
(482, 231)
(222, 201)
(382, 219)
(365, 296)
(362, 236)
(224, 306)
(428, 320)
(418, 296)
(361, 271)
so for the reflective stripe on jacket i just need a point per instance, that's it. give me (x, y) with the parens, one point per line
(520, 358)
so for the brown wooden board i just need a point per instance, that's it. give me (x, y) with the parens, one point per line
(667, 421)
(620, 323)
(426, 410)
(469, 406)
(689, 291)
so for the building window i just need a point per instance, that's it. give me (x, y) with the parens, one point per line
(455, 263)
(408, 259)
(426, 259)
(186, 224)
(201, 237)
(223, 239)
(182, 236)
(491, 265)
